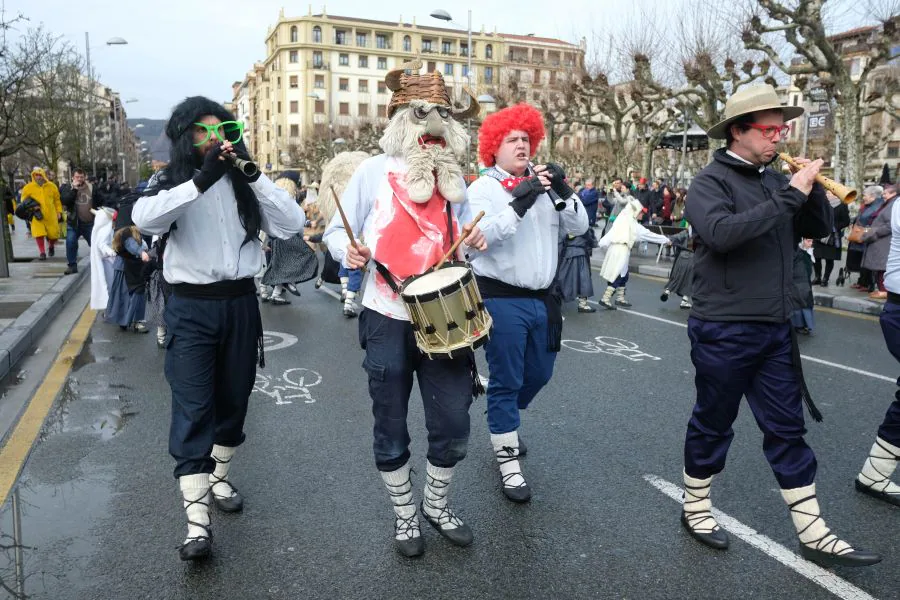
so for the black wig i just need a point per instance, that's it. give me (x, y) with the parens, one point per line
(184, 159)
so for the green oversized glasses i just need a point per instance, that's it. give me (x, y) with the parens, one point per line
(231, 131)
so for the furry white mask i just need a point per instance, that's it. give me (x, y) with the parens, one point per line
(432, 142)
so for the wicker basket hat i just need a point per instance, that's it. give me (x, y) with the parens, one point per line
(430, 87)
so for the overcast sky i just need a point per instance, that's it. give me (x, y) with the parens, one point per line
(188, 47)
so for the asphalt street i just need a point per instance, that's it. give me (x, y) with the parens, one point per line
(101, 515)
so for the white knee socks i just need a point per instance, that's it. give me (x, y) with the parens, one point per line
(697, 505)
(879, 466)
(506, 449)
(195, 499)
(219, 477)
(437, 486)
(810, 526)
(400, 489)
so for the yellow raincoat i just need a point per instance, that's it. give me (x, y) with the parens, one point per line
(47, 196)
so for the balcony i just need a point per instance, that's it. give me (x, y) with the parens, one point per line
(425, 50)
(383, 44)
(318, 65)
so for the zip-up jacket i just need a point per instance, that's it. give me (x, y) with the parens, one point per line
(748, 223)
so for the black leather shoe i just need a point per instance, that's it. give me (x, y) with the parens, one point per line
(519, 495)
(607, 305)
(857, 558)
(523, 449)
(230, 505)
(460, 536)
(410, 548)
(714, 539)
(196, 549)
(71, 270)
(889, 498)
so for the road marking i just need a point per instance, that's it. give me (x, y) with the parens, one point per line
(276, 340)
(822, 577)
(610, 345)
(330, 292)
(827, 363)
(844, 313)
(20, 442)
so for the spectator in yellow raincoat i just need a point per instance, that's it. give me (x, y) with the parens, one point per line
(45, 193)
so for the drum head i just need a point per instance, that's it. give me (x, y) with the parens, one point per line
(434, 281)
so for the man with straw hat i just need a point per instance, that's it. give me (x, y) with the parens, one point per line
(748, 219)
(408, 205)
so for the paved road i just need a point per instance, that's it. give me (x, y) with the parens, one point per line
(101, 516)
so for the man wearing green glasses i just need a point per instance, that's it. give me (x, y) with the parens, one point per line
(749, 219)
(212, 214)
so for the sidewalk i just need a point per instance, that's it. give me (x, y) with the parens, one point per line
(841, 298)
(33, 294)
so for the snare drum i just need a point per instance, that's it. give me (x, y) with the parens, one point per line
(446, 310)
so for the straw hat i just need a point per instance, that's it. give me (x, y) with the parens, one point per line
(749, 100)
(407, 87)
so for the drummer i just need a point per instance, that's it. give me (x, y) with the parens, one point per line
(400, 202)
(522, 227)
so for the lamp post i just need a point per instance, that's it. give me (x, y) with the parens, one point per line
(443, 15)
(116, 41)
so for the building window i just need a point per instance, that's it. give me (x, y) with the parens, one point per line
(318, 63)
(320, 82)
(537, 75)
(279, 107)
(278, 82)
(317, 34)
(278, 132)
(465, 70)
(295, 106)
(426, 45)
(463, 49)
(340, 38)
(344, 60)
(364, 85)
(344, 84)
(489, 51)
(854, 67)
(361, 40)
(294, 34)
(489, 74)
(382, 87)
(446, 47)
(382, 63)
(893, 150)
(407, 44)
(344, 108)
(382, 110)
(363, 110)
(320, 107)
(267, 114)
(381, 41)
(363, 62)
(432, 66)
(293, 82)
(292, 56)
(295, 131)
(448, 69)
(268, 136)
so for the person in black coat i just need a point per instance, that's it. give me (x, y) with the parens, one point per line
(828, 249)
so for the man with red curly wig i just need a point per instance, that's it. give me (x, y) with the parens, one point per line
(528, 210)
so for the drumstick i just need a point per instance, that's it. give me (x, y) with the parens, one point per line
(347, 228)
(466, 230)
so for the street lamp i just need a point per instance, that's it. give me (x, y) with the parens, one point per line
(115, 41)
(443, 15)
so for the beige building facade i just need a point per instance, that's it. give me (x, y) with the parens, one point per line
(323, 75)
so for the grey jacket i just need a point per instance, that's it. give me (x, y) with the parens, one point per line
(878, 240)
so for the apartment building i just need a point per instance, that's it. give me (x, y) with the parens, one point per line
(323, 75)
(855, 48)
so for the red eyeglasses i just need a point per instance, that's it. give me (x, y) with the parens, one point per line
(769, 131)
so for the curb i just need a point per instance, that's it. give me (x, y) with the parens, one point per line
(855, 305)
(17, 339)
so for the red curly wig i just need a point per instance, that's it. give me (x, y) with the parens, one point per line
(496, 126)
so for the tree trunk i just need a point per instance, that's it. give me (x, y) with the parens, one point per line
(852, 141)
(647, 162)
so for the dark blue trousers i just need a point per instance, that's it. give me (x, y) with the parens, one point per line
(73, 232)
(392, 358)
(211, 368)
(621, 280)
(733, 360)
(890, 327)
(518, 358)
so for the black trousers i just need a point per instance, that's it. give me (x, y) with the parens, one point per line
(392, 358)
(211, 367)
(829, 267)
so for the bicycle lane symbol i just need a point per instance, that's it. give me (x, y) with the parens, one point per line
(294, 384)
(609, 345)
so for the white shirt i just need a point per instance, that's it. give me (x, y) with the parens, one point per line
(208, 243)
(760, 168)
(521, 251)
(368, 183)
(892, 274)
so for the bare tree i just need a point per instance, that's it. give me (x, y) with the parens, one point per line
(802, 25)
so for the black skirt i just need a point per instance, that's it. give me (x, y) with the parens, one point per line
(826, 251)
(854, 260)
